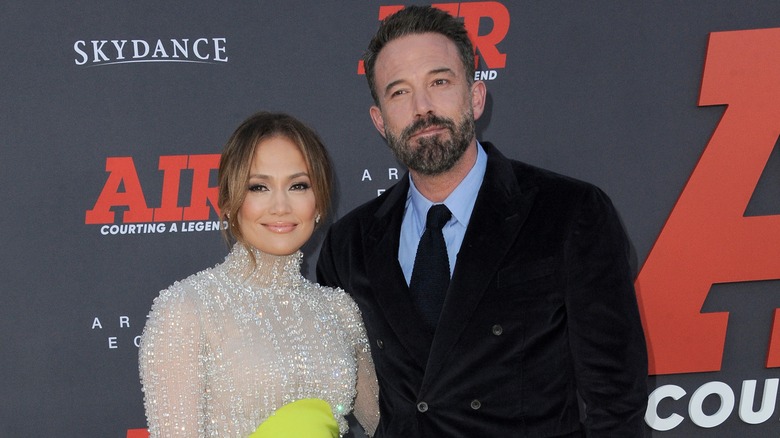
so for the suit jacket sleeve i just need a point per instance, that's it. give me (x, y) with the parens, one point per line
(605, 332)
(326, 269)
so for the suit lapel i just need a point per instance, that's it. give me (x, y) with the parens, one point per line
(387, 279)
(499, 212)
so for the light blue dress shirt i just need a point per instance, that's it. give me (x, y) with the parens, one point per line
(461, 204)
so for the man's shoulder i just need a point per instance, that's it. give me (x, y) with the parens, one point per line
(550, 188)
(531, 175)
(546, 177)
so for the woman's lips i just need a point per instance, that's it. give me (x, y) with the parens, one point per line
(281, 227)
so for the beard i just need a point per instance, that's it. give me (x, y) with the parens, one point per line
(436, 154)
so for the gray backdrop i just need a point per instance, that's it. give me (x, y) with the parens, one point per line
(605, 91)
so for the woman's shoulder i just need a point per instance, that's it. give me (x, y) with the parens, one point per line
(331, 294)
(338, 300)
(188, 291)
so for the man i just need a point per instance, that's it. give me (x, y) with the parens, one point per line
(540, 306)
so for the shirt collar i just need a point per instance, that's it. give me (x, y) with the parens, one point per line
(460, 202)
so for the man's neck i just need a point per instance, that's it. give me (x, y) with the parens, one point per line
(436, 188)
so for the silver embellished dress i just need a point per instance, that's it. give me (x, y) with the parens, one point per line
(225, 348)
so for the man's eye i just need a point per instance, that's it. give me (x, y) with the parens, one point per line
(440, 82)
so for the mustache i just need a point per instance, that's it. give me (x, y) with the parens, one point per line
(424, 123)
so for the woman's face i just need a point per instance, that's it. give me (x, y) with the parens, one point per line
(277, 216)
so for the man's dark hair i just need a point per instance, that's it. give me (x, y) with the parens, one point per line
(416, 20)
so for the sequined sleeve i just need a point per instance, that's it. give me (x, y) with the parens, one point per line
(171, 372)
(367, 398)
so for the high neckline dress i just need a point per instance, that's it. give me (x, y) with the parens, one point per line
(226, 347)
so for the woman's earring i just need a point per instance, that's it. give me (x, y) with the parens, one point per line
(317, 219)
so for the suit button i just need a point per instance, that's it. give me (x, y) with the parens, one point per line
(475, 404)
(497, 330)
(422, 406)
(380, 344)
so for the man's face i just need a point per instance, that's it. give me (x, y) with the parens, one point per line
(427, 106)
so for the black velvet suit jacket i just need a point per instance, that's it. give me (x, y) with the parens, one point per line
(541, 306)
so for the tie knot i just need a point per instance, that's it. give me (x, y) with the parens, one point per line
(438, 215)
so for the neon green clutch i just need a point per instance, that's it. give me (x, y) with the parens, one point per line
(310, 418)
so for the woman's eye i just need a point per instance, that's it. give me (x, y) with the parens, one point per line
(257, 188)
(300, 186)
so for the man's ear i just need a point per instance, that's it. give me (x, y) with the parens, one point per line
(376, 117)
(478, 93)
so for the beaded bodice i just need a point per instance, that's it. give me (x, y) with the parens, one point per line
(225, 348)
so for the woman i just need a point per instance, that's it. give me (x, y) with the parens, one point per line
(251, 339)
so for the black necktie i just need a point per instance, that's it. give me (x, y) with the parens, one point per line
(431, 272)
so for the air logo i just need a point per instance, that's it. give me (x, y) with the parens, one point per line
(123, 189)
(473, 14)
(708, 240)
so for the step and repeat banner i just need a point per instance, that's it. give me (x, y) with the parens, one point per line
(113, 114)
